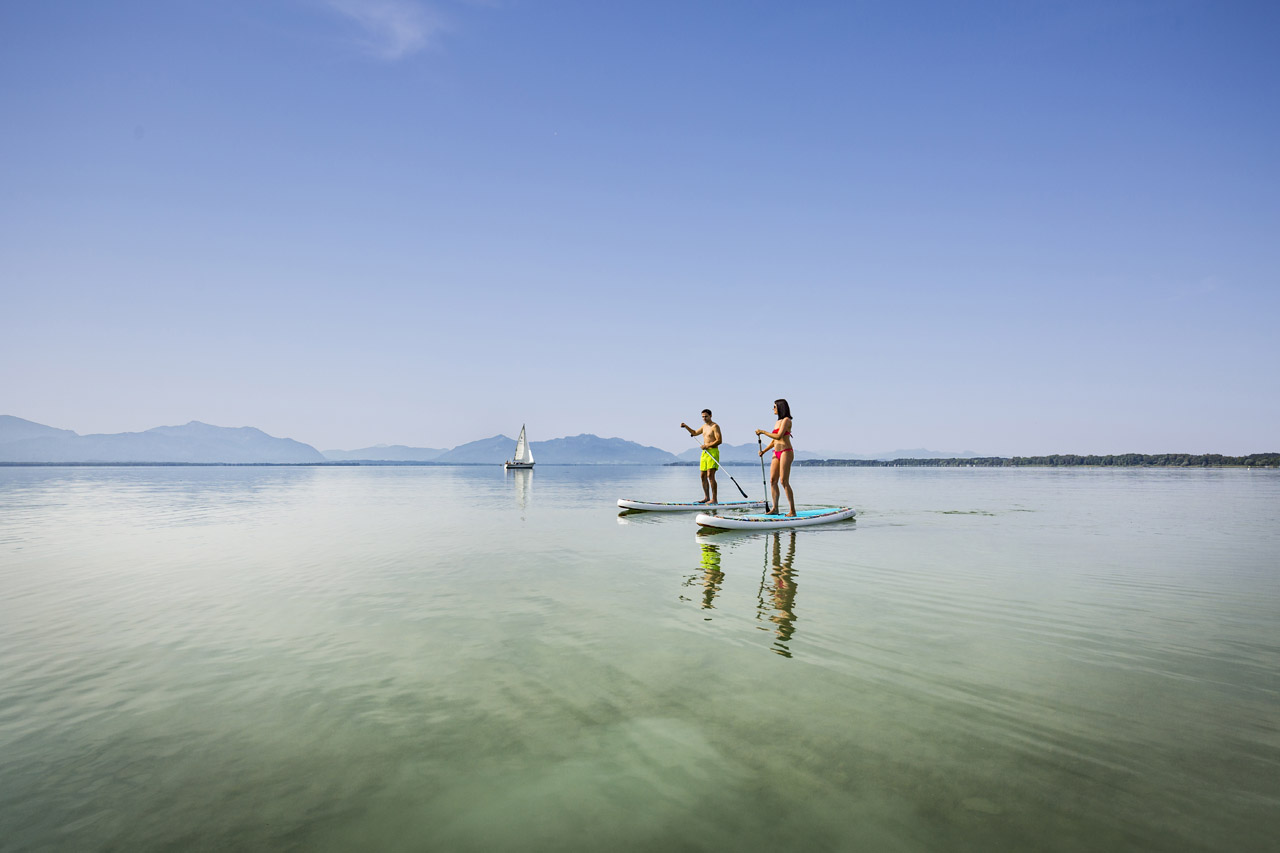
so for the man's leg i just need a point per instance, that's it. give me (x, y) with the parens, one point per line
(711, 475)
(706, 489)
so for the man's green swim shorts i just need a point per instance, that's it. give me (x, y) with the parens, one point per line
(705, 463)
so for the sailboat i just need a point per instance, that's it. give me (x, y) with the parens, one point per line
(524, 454)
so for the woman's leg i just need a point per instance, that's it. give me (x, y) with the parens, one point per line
(785, 465)
(773, 482)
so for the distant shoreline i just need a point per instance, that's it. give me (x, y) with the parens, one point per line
(1126, 460)
(1070, 460)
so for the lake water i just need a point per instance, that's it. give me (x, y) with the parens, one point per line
(469, 659)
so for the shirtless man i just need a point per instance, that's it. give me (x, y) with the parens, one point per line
(709, 459)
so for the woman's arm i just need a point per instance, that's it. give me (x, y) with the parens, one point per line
(779, 428)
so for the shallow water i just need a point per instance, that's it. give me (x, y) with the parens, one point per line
(468, 659)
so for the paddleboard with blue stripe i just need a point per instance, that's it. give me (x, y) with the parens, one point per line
(687, 506)
(763, 521)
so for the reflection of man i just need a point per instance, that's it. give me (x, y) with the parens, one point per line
(709, 459)
(711, 574)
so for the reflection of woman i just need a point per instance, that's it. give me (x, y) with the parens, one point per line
(783, 592)
(783, 454)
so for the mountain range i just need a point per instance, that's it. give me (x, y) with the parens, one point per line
(386, 453)
(23, 441)
(26, 441)
(736, 453)
(573, 450)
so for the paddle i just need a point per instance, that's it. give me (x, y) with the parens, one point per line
(764, 483)
(760, 592)
(721, 467)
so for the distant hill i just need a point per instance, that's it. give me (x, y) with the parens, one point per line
(28, 442)
(751, 453)
(728, 453)
(918, 453)
(385, 453)
(739, 453)
(486, 451)
(25, 441)
(589, 449)
(1066, 460)
(583, 449)
(17, 429)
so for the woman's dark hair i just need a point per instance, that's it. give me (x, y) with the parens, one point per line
(784, 410)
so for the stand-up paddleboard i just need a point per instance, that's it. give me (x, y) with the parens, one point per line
(687, 506)
(760, 521)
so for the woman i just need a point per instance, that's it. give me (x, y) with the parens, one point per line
(783, 455)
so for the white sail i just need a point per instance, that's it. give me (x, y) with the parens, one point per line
(524, 453)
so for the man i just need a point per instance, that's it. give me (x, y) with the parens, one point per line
(709, 459)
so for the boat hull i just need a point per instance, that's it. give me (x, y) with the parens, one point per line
(685, 506)
(750, 521)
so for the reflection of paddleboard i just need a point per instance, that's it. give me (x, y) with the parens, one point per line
(755, 521)
(686, 506)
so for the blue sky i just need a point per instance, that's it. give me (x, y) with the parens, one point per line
(1009, 228)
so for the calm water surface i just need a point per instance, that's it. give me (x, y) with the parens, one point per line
(467, 659)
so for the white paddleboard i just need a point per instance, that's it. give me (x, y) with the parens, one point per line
(760, 521)
(687, 506)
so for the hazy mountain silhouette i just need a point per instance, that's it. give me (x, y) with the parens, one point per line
(385, 453)
(17, 429)
(750, 453)
(583, 449)
(917, 453)
(485, 451)
(737, 453)
(25, 441)
(587, 449)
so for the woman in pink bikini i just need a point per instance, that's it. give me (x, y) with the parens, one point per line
(783, 455)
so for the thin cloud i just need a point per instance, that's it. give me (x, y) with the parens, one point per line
(393, 29)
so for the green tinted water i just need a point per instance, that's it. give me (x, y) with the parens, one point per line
(467, 659)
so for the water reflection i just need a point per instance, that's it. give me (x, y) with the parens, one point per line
(777, 596)
(641, 516)
(709, 576)
(524, 487)
(162, 497)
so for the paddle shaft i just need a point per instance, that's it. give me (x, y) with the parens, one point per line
(764, 482)
(760, 592)
(721, 467)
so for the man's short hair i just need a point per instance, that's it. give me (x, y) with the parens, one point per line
(706, 412)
